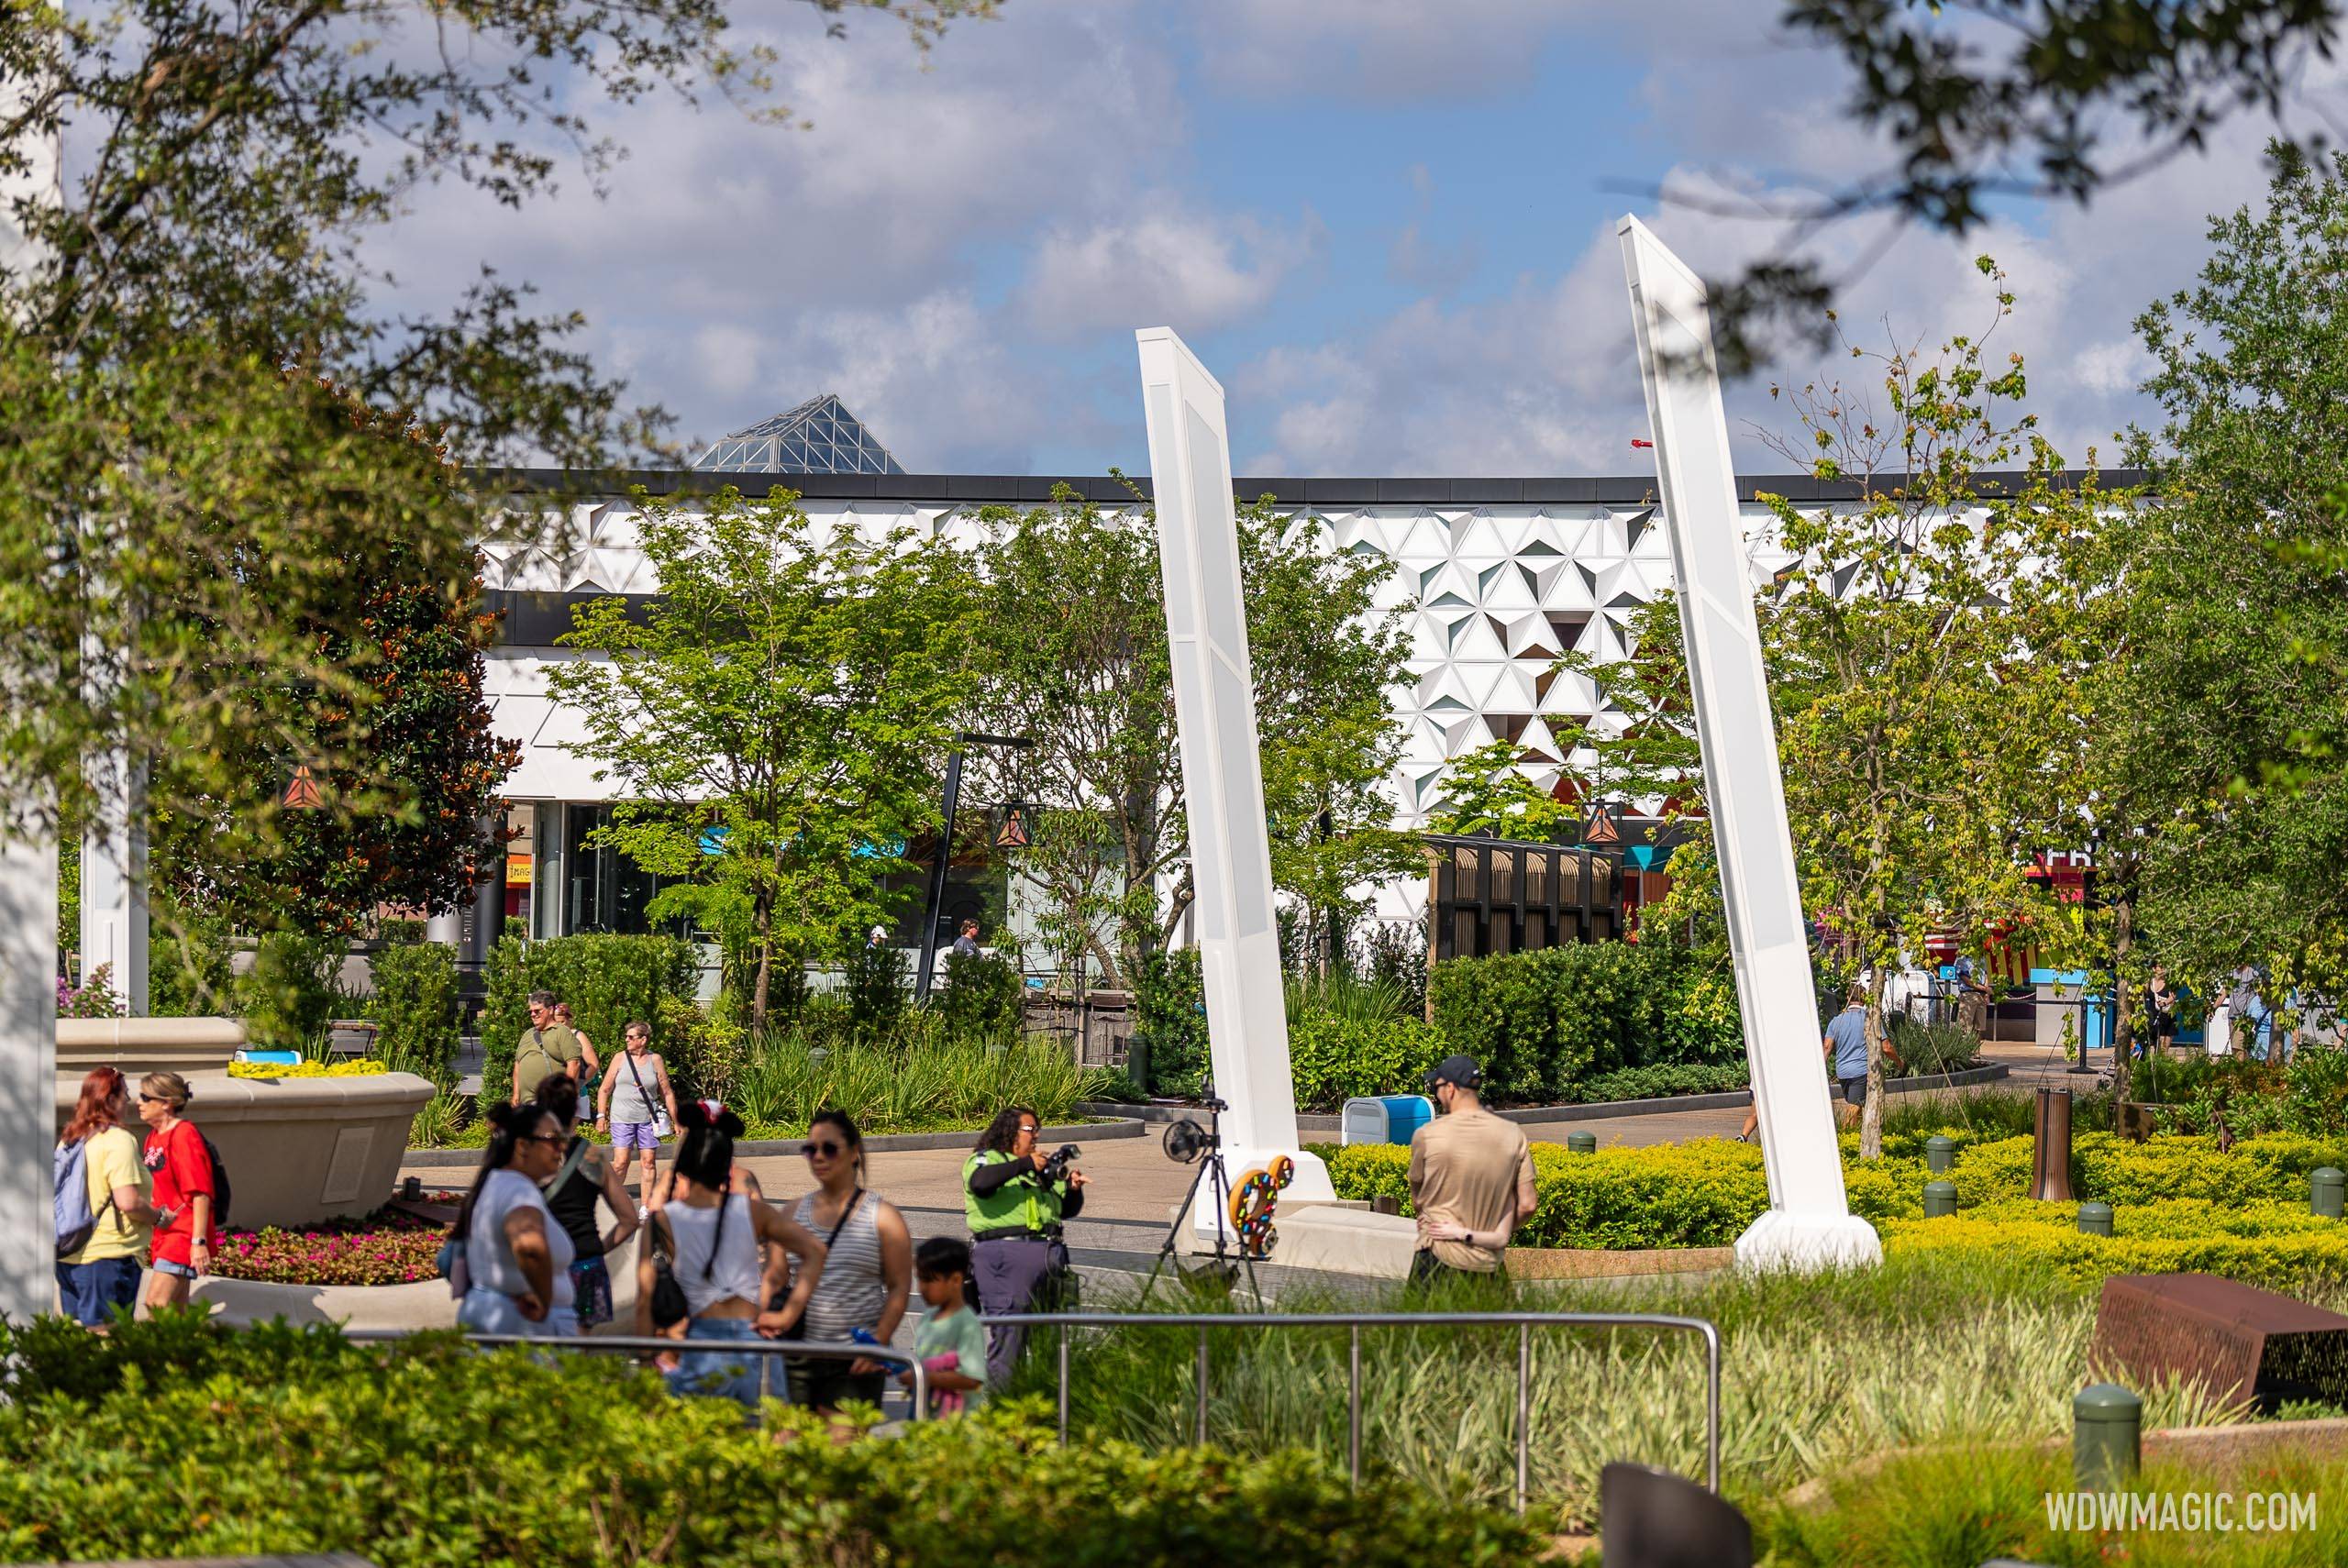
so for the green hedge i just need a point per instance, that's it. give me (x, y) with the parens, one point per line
(414, 1006)
(181, 1439)
(1170, 1022)
(290, 993)
(1703, 1193)
(1544, 1024)
(982, 995)
(1333, 1059)
(608, 981)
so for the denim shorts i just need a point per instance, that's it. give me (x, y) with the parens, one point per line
(88, 1293)
(1854, 1090)
(715, 1374)
(634, 1135)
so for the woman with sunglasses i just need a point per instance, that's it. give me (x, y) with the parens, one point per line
(187, 1231)
(867, 1268)
(517, 1256)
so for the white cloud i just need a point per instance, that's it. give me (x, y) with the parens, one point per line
(1172, 266)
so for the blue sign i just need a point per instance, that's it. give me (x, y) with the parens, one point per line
(712, 838)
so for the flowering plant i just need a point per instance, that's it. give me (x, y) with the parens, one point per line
(354, 1069)
(387, 1247)
(94, 999)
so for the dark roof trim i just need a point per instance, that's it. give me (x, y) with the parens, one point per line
(974, 488)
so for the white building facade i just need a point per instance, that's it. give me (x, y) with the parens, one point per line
(1502, 576)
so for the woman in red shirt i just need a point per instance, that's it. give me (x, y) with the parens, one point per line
(186, 1229)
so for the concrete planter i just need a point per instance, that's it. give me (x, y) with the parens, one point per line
(140, 1045)
(424, 1305)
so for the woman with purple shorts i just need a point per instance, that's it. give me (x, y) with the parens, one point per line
(638, 1108)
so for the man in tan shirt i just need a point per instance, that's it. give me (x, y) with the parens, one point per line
(1471, 1178)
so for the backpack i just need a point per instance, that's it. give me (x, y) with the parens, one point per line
(69, 1174)
(220, 1188)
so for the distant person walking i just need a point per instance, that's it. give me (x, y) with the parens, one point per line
(638, 1106)
(951, 1342)
(966, 945)
(1845, 1046)
(585, 1180)
(713, 1236)
(547, 1045)
(517, 1255)
(187, 1228)
(867, 1268)
(1471, 1179)
(100, 1189)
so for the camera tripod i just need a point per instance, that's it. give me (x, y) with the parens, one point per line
(1186, 1141)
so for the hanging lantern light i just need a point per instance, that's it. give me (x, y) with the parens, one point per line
(302, 791)
(1014, 833)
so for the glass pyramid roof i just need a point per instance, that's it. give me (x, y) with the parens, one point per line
(819, 437)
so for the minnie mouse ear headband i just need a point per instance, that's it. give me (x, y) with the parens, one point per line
(710, 1113)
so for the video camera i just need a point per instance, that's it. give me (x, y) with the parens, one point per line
(1056, 1163)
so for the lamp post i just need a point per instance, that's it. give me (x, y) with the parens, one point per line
(926, 968)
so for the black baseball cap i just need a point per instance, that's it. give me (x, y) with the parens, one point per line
(1460, 1072)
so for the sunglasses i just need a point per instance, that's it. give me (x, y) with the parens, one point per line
(153, 1100)
(829, 1151)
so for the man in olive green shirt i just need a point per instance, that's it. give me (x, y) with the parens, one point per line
(1471, 1178)
(548, 1047)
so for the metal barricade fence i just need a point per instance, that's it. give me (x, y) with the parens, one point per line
(820, 1350)
(1523, 1323)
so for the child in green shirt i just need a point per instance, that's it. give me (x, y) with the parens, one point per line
(952, 1341)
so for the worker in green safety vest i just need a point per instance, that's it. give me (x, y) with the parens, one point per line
(1015, 1213)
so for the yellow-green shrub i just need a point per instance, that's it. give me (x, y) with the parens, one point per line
(1703, 1193)
(2267, 1244)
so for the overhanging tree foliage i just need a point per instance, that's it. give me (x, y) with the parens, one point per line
(1984, 101)
(214, 427)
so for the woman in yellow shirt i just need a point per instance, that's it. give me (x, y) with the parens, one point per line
(102, 1273)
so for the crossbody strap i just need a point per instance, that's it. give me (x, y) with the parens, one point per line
(629, 1057)
(570, 1168)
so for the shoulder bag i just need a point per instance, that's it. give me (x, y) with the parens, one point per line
(660, 1128)
(798, 1330)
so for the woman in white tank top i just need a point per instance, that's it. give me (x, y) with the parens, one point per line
(713, 1234)
(867, 1268)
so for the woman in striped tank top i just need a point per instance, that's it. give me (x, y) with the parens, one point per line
(868, 1269)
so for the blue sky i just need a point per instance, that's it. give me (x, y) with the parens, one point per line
(1387, 225)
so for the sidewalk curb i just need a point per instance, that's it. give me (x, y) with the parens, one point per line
(1124, 1126)
(1733, 1099)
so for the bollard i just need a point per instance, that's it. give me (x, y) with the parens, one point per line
(1138, 1062)
(2050, 1180)
(2105, 1422)
(2095, 1219)
(1940, 1152)
(1940, 1197)
(1582, 1143)
(2326, 1190)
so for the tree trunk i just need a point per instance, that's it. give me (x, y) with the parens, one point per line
(2122, 1015)
(1871, 1116)
(764, 917)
